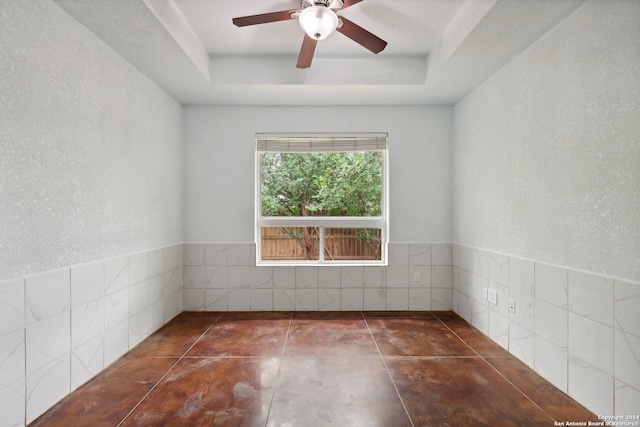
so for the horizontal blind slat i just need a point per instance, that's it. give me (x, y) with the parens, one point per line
(307, 144)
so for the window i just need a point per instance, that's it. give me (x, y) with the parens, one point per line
(321, 199)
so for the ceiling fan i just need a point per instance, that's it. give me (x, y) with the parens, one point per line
(318, 19)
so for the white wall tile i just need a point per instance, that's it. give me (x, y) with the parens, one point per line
(551, 323)
(525, 310)
(480, 262)
(374, 299)
(172, 306)
(138, 267)
(424, 276)
(156, 289)
(116, 274)
(591, 296)
(138, 328)
(194, 299)
(216, 277)
(194, 254)
(499, 329)
(239, 254)
(138, 297)
(465, 307)
(239, 300)
(502, 307)
(397, 276)
(352, 299)
(419, 254)
(155, 262)
(307, 277)
(261, 277)
(173, 281)
(194, 277)
(156, 316)
(48, 340)
(441, 299)
(116, 308)
(47, 385)
(116, 342)
(551, 284)
(171, 258)
(12, 358)
(87, 322)
(521, 343)
(12, 404)
(627, 359)
(352, 277)
(87, 360)
(87, 283)
(216, 254)
(284, 277)
(12, 306)
(398, 254)
(398, 299)
(216, 299)
(591, 342)
(480, 316)
(47, 295)
(626, 399)
(307, 299)
(590, 386)
(239, 277)
(551, 362)
(522, 276)
(329, 277)
(441, 254)
(465, 258)
(261, 300)
(627, 303)
(420, 299)
(441, 276)
(284, 299)
(499, 268)
(329, 299)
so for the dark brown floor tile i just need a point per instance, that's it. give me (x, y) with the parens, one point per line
(416, 337)
(108, 398)
(335, 391)
(474, 338)
(327, 315)
(445, 314)
(173, 339)
(461, 391)
(330, 337)
(211, 391)
(243, 337)
(396, 314)
(255, 315)
(553, 401)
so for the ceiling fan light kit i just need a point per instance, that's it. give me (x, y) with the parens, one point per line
(318, 19)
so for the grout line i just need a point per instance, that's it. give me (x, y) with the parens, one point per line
(275, 384)
(166, 373)
(389, 373)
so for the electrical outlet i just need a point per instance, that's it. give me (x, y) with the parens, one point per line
(484, 293)
(512, 306)
(493, 296)
(416, 276)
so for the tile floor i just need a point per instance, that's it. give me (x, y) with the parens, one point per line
(312, 369)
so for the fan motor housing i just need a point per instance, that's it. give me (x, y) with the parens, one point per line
(331, 4)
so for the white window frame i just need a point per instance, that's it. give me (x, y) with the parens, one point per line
(332, 143)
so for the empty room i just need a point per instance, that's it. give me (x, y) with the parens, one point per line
(319, 212)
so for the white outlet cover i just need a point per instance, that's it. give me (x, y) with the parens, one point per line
(493, 296)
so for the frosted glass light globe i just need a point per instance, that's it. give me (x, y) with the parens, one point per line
(318, 21)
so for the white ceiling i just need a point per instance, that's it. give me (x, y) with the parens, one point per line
(438, 50)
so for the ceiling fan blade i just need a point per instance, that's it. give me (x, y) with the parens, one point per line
(359, 35)
(264, 18)
(306, 52)
(349, 3)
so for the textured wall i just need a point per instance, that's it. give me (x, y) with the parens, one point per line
(220, 165)
(546, 153)
(90, 150)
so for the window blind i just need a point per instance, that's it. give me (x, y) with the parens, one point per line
(320, 143)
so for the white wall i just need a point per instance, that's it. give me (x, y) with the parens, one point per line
(546, 153)
(91, 178)
(90, 150)
(220, 163)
